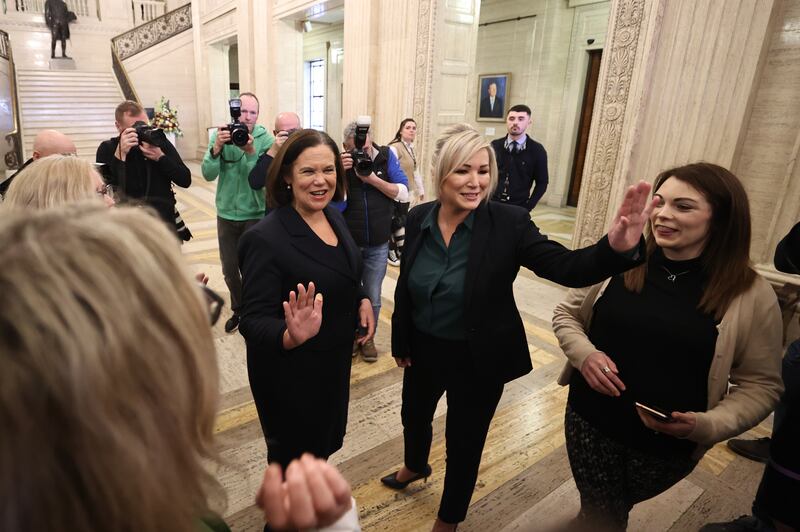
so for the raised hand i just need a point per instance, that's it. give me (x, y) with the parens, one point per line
(314, 495)
(303, 314)
(628, 224)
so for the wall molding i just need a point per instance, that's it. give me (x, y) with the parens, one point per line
(626, 22)
(423, 79)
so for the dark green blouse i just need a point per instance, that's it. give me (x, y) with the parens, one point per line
(436, 280)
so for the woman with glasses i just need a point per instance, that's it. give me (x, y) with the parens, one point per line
(302, 302)
(110, 385)
(55, 180)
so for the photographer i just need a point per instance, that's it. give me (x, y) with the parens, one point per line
(286, 123)
(140, 169)
(371, 193)
(232, 156)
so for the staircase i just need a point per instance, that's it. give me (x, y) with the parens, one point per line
(79, 104)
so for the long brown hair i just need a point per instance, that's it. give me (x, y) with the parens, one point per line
(110, 381)
(726, 257)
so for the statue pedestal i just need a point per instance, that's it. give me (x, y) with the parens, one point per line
(61, 63)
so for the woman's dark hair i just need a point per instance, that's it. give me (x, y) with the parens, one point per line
(398, 136)
(726, 257)
(277, 190)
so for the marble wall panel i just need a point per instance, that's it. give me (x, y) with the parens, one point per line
(167, 69)
(767, 161)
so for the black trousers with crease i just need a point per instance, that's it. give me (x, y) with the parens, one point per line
(441, 366)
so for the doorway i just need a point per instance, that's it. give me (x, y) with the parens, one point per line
(587, 107)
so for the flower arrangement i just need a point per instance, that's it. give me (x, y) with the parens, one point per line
(166, 118)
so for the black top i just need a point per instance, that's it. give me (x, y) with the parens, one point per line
(786, 434)
(258, 175)
(503, 239)
(7, 183)
(143, 179)
(369, 211)
(663, 347)
(518, 171)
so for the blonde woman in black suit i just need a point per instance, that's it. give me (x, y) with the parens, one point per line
(456, 327)
(298, 356)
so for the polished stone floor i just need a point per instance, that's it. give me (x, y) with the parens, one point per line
(524, 481)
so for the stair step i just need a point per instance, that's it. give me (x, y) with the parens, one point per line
(49, 122)
(36, 113)
(58, 90)
(24, 80)
(76, 134)
(63, 74)
(46, 83)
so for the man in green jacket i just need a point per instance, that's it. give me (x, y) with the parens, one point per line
(238, 206)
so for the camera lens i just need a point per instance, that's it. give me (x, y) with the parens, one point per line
(240, 136)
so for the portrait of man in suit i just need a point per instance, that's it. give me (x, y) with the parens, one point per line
(493, 90)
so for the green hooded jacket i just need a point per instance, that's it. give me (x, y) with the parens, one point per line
(236, 201)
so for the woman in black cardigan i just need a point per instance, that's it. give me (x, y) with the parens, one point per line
(456, 327)
(298, 358)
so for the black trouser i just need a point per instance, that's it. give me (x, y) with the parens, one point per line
(611, 477)
(444, 366)
(228, 234)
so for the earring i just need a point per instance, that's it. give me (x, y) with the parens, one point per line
(288, 187)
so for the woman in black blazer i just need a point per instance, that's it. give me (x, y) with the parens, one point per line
(298, 357)
(456, 327)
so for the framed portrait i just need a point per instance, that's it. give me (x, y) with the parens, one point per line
(493, 91)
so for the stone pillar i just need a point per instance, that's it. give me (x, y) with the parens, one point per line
(676, 86)
(359, 66)
(446, 39)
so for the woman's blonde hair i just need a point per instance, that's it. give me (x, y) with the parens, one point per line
(110, 381)
(455, 146)
(53, 180)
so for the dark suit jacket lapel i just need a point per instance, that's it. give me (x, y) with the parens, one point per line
(304, 239)
(477, 250)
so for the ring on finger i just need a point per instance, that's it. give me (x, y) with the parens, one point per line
(606, 369)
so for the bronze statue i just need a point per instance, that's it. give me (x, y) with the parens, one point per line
(56, 16)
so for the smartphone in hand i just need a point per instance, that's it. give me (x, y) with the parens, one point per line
(657, 413)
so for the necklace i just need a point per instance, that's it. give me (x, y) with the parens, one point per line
(672, 276)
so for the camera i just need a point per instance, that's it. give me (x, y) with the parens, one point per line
(240, 134)
(362, 161)
(149, 134)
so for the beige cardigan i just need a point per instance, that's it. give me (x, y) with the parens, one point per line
(747, 353)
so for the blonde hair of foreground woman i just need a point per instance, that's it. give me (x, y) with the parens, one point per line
(110, 382)
(454, 147)
(54, 180)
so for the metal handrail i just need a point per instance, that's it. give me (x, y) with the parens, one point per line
(16, 133)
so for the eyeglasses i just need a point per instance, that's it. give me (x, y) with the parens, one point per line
(215, 303)
(105, 190)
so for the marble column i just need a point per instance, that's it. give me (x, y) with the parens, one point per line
(676, 86)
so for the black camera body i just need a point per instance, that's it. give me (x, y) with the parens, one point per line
(362, 161)
(149, 134)
(240, 134)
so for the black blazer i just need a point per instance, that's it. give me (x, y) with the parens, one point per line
(275, 255)
(503, 239)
